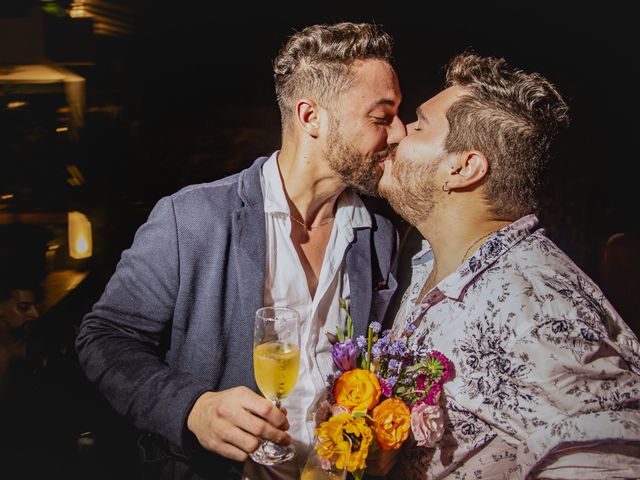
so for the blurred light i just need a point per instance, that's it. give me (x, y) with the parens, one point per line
(62, 129)
(77, 178)
(6, 196)
(80, 242)
(16, 104)
(78, 10)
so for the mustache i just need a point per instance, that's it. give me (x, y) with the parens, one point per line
(390, 151)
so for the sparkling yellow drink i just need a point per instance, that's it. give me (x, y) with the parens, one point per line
(275, 366)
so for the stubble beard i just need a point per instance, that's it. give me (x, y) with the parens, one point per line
(360, 172)
(410, 190)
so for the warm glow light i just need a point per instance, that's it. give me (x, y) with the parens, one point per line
(62, 129)
(77, 10)
(16, 104)
(6, 196)
(80, 242)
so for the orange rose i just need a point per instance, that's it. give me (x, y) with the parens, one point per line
(391, 423)
(358, 390)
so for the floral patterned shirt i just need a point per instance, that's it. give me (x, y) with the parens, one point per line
(547, 374)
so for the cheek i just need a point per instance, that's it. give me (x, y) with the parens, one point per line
(406, 155)
(417, 151)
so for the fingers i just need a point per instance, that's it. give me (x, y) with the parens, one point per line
(232, 423)
(262, 407)
(251, 418)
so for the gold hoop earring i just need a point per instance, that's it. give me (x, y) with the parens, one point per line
(445, 187)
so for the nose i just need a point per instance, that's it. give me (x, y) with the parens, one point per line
(397, 131)
(32, 313)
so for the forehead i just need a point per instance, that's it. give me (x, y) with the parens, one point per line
(376, 83)
(23, 296)
(440, 103)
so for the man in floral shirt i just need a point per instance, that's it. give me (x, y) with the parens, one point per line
(547, 374)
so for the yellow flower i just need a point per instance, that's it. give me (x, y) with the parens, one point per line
(391, 423)
(342, 437)
(358, 390)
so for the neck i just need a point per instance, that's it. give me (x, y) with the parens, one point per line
(311, 188)
(455, 235)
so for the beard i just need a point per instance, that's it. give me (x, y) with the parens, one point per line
(358, 171)
(410, 189)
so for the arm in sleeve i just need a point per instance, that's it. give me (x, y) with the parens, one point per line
(588, 402)
(121, 341)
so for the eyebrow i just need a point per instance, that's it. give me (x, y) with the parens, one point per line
(382, 101)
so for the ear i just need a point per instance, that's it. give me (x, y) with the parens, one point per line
(308, 116)
(468, 169)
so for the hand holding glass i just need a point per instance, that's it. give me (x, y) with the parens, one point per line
(276, 360)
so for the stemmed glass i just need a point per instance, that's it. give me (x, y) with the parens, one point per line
(318, 467)
(276, 360)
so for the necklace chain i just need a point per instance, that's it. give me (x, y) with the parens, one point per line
(311, 227)
(475, 242)
(434, 272)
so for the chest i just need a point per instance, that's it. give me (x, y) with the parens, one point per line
(311, 246)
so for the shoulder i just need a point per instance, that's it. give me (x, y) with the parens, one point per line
(222, 195)
(540, 284)
(222, 191)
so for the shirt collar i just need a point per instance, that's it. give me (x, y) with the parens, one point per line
(486, 255)
(350, 210)
(274, 198)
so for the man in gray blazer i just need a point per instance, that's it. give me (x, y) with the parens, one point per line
(169, 343)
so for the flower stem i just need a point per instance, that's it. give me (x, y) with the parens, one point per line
(369, 342)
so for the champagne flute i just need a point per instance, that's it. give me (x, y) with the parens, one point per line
(276, 360)
(318, 467)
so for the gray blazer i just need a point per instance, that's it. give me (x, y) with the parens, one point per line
(176, 318)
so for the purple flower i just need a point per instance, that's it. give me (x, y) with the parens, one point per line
(344, 355)
(375, 327)
(376, 351)
(394, 365)
(396, 348)
(362, 342)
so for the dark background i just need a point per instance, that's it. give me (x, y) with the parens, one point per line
(198, 92)
(187, 96)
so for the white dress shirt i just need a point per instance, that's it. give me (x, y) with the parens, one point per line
(286, 285)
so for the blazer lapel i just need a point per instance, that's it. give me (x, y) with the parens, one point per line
(249, 237)
(359, 269)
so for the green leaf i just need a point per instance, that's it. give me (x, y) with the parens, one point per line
(340, 334)
(421, 365)
(358, 474)
(343, 306)
(361, 414)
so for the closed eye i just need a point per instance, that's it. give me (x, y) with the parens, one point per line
(382, 120)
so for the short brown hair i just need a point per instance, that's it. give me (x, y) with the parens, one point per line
(512, 117)
(316, 61)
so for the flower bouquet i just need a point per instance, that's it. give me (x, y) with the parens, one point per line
(383, 393)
